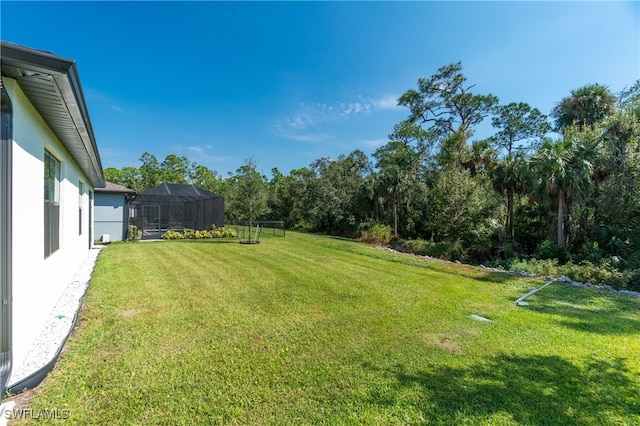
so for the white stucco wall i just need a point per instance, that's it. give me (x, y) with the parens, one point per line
(39, 282)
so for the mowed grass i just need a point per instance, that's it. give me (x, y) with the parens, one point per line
(319, 330)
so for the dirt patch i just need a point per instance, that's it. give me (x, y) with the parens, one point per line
(472, 332)
(130, 313)
(444, 342)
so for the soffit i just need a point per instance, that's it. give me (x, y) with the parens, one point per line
(52, 85)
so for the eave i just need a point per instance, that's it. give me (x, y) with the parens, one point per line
(52, 85)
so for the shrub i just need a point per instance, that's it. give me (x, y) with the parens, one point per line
(477, 245)
(633, 282)
(199, 235)
(549, 250)
(536, 266)
(591, 251)
(605, 273)
(423, 248)
(172, 235)
(134, 234)
(375, 233)
(455, 251)
(222, 232)
(586, 271)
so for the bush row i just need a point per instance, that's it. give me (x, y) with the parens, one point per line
(548, 260)
(603, 273)
(442, 250)
(591, 265)
(191, 234)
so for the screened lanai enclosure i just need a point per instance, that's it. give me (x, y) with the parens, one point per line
(177, 207)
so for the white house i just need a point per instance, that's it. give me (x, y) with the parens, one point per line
(111, 216)
(49, 167)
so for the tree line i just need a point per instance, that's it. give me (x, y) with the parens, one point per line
(568, 181)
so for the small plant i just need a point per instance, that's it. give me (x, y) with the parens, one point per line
(223, 232)
(134, 233)
(549, 250)
(422, 247)
(539, 267)
(375, 233)
(173, 235)
(604, 273)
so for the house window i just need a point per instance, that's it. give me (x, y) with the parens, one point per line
(80, 192)
(51, 204)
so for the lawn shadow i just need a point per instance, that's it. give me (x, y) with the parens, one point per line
(534, 390)
(589, 310)
(497, 277)
(209, 240)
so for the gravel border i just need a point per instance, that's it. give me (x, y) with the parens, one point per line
(45, 349)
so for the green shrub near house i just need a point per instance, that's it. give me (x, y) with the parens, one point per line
(191, 234)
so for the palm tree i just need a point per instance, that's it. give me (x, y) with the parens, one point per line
(482, 157)
(585, 107)
(507, 178)
(560, 170)
(516, 123)
(398, 164)
(399, 161)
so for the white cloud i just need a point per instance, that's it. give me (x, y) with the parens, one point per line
(387, 102)
(100, 97)
(308, 137)
(304, 123)
(301, 121)
(329, 111)
(353, 108)
(373, 143)
(345, 109)
(205, 154)
(200, 150)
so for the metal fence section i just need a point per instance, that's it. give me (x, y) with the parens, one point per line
(270, 227)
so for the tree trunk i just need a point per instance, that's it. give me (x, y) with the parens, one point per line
(510, 225)
(561, 207)
(395, 217)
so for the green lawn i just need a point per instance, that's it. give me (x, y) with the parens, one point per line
(319, 330)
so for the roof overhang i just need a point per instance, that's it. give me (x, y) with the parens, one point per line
(52, 85)
(113, 188)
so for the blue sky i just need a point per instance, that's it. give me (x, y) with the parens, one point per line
(290, 82)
